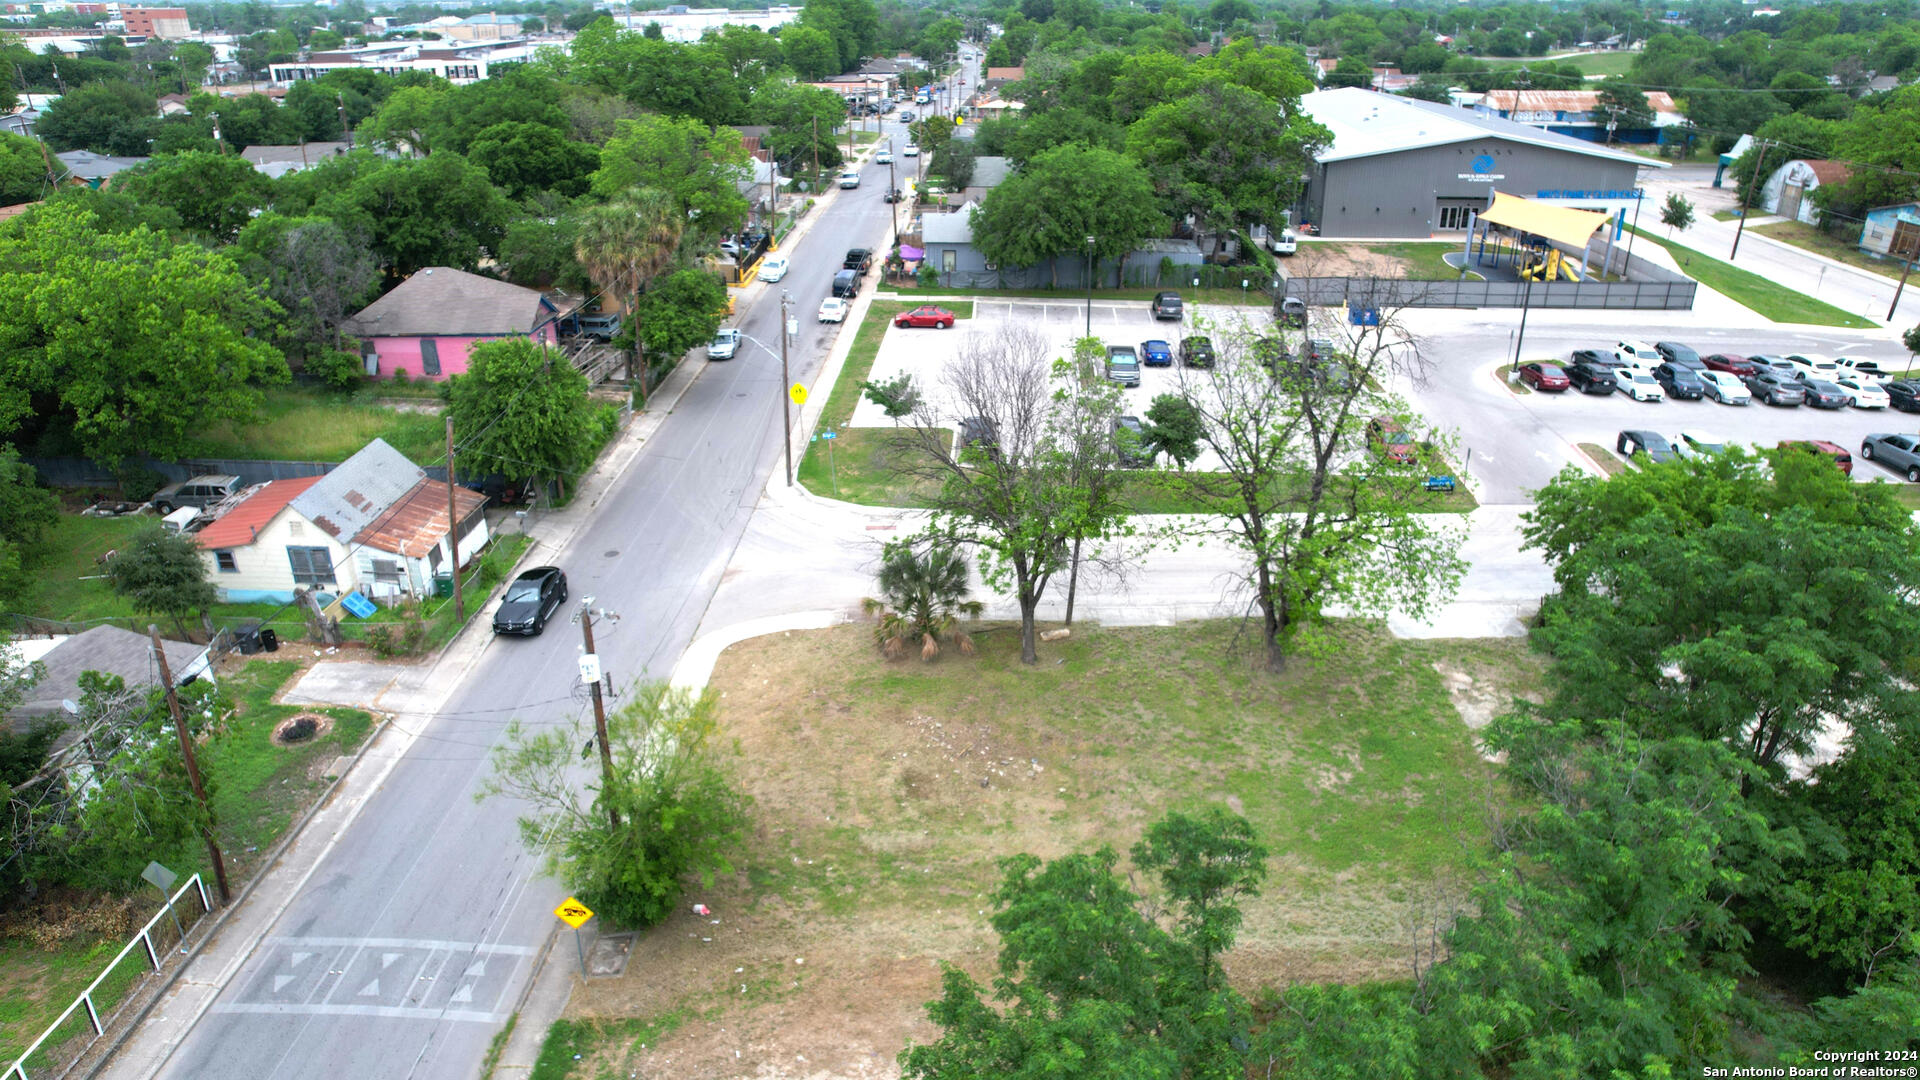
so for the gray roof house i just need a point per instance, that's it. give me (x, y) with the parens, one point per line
(948, 241)
(427, 324)
(277, 161)
(361, 489)
(108, 650)
(96, 169)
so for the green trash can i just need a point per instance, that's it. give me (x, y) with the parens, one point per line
(443, 585)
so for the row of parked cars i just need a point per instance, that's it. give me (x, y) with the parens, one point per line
(1668, 369)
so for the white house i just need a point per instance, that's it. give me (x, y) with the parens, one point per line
(1786, 189)
(376, 524)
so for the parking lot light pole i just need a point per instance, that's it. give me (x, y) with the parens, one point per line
(1089, 286)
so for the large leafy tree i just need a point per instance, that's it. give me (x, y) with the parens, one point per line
(160, 572)
(1224, 153)
(214, 194)
(700, 168)
(523, 159)
(128, 342)
(518, 96)
(1711, 598)
(626, 243)
(105, 117)
(27, 511)
(23, 171)
(437, 211)
(678, 311)
(314, 270)
(520, 412)
(408, 119)
(1048, 209)
(803, 120)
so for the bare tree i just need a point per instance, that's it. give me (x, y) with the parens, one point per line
(1027, 478)
(1323, 517)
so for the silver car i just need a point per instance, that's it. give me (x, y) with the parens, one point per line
(1123, 365)
(1901, 453)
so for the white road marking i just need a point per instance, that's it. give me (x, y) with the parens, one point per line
(390, 1011)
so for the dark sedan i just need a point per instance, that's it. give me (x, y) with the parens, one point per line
(1679, 355)
(1545, 377)
(1904, 394)
(1592, 379)
(1729, 363)
(1196, 352)
(1651, 443)
(530, 601)
(1822, 394)
(1596, 357)
(1680, 382)
(1775, 388)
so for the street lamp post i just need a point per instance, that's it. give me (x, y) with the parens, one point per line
(1089, 286)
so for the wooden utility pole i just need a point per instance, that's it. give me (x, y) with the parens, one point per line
(1913, 250)
(193, 766)
(816, 151)
(453, 532)
(600, 722)
(1747, 203)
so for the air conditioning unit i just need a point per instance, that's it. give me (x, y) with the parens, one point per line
(993, 266)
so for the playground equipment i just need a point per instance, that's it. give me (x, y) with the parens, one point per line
(1550, 264)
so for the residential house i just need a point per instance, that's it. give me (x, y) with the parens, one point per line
(1578, 113)
(1892, 230)
(1786, 190)
(95, 170)
(172, 105)
(377, 524)
(948, 243)
(427, 324)
(278, 161)
(108, 650)
(988, 173)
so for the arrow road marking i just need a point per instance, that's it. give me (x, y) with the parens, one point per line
(372, 989)
(463, 995)
(280, 981)
(477, 968)
(300, 958)
(387, 959)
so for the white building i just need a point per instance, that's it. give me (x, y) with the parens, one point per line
(681, 23)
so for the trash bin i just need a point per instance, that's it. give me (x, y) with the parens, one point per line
(269, 641)
(246, 637)
(443, 585)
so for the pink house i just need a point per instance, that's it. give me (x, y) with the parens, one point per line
(428, 322)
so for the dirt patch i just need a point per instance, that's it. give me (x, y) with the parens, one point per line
(302, 728)
(1322, 259)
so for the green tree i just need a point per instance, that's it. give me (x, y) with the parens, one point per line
(897, 397)
(107, 118)
(160, 572)
(803, 120)
(538, 249)
(255, 120)
(679, 814)
(27, 511)
(1349, 71)
(517, 413)
(214, 194)
(699, 168)
(810, 52)
(678, 311)
(407, 119)
(1808, 574)
(130, 342)
(524, 159)
(1676, 212)
(1047, 210)
(314, 270)
(1174, 429)
(923, 595)
(626, 243)
(23, 171)
(436, 211)
(1224, 154)
(518, 96)
(1911, 339)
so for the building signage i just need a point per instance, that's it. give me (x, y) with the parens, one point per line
(1486, 178)
(1574, 193)
(1482, 166)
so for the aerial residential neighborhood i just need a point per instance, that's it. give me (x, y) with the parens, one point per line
(879, 539)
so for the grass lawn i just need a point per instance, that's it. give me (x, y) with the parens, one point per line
(1503, 372)
(1726, 215)
(1821, 242)
(1604, 458)
(1598, 63)
(299, 424)
(1425, 260)
(1774, 301)
(885, 793)
(259, 788)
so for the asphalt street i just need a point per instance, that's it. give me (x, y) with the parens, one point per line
(409, 946)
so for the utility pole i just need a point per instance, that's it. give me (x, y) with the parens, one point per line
(1912, 250)
(786, 414)
(193, 766)
(1746, 206)
(453, 532)
(599, 717)
(893, 200)
(816, 151)
(341, 108)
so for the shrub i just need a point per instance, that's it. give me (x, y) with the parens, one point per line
(404, 634)
(138, 483)
(929, 277)
(337, 370)
(400, 376)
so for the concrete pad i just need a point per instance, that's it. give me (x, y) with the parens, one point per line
(354, 683)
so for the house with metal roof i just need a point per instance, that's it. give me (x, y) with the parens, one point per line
(1403, 168)
(427, 323)
(377, 524)
(1787, 189)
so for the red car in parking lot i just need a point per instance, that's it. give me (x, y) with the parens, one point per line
(925, 315)
(1838, 453)
(1546, 377)
(1729, 363)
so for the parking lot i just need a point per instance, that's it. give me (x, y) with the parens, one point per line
(1518, 442)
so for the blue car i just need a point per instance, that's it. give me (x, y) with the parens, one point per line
(1156, 354)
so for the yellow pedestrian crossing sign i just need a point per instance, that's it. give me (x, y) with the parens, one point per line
(573, 912)
(798, 392)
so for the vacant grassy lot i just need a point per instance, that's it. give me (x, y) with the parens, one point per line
(1764, 297)
(299, 424)
(1821, 242)
(259, 787)
(1599, 63)
(885, 792)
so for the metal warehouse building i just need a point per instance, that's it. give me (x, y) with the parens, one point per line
(1403, 168)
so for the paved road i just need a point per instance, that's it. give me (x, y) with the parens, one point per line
(406, 950)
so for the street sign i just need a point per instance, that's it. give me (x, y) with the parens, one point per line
(829, 435)
(573, 912)
(798, 393)
(159, 876)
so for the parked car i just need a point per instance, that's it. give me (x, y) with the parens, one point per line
(1285, 242)
(1675, 353)
(530, 601)
(1729, 363)
(599, 326)
(1778, 364)
(1862, 392)
(1390, 439)
(1166, 305)
(1903, 394)
(1862, 367)
(725, 344)
(1635, 353)
(1596, 357)
(1638, 385)
(1293, 311)
(846, 283)
(860, 259)
(1130, 443)
(774, 267)
(1651, 443)
(908, 117)
(1196, 352)
(1813, 366)
(849, 179)
(893, 194)
(1725, 388)
(200, 493)
(910, 150)
(1123, 365)
(1776, 388)
(1544, 377)
(884, 157)
(979, 431)
(925, 315)
(1821, 446)
(833, 309)
(1681, 383)
(1901, 453)
(1592, 379)
(1698, 443)
(1156, 353)
(1822, 394)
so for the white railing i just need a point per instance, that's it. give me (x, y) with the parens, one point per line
(18, 1070)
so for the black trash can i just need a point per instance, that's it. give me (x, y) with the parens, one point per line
(269, 641)
(246, 637)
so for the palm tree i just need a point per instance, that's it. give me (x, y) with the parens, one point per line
(627, 243)
(922, 596)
